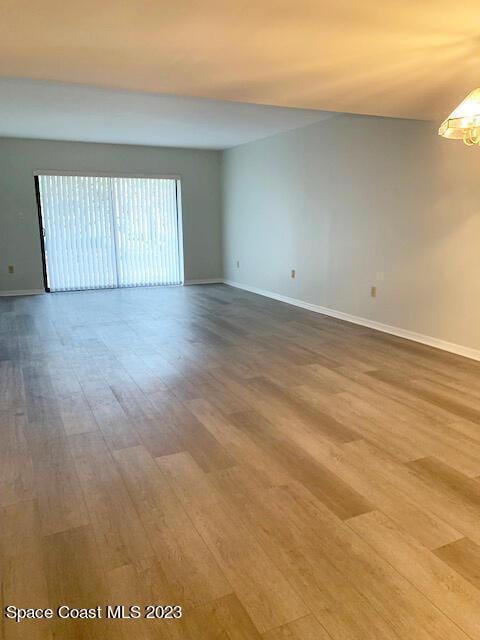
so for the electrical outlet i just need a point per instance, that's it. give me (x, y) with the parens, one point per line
(11, 268)
(373, 292)
(238, 264)
(292, 273)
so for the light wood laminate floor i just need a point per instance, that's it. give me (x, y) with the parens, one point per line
(277, 473)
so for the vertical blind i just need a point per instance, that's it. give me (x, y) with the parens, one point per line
(102, 232)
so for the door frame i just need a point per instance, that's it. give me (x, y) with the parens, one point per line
(105, 174)
(41, 228)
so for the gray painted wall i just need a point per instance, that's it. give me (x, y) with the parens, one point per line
(353, 202)
(19, 234)
(349, 202)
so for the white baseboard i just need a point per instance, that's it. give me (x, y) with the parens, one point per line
(451, 347)
(22, 292)
(205, 281)
(33, 292)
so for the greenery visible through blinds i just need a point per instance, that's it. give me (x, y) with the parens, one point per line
(102, 232)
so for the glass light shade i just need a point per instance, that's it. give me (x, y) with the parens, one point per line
(464, 121)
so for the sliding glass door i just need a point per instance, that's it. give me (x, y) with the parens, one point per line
(78, 232)
(103, 232)
(146, 224)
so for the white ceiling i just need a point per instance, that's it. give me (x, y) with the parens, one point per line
(35, 109)
(402, 58)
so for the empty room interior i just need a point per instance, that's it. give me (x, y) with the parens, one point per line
(239, 320)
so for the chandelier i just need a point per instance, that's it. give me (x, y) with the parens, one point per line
(464, 121)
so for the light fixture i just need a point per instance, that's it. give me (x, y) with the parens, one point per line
(464, 121)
